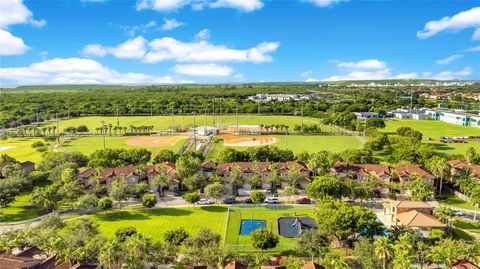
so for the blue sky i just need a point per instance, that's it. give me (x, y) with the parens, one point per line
(181, 41)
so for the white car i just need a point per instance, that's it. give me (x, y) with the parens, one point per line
(459, 213)
(272, 200)
(203, 201)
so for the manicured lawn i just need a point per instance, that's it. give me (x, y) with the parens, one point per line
(88, 145)
(435, 129)
(165, 122)
(454, 201)
(473, 227)
(299, 143)
(154, 223)
(21, 149)
(19, 210)
(244, 242)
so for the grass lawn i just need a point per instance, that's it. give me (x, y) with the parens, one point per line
(299, 143)
(21, 149)
(154, 223)
(435, 129)
(88, 145)
(19, 210)
(473, 227)
(244, 242)
(454, 201)
(165, 122)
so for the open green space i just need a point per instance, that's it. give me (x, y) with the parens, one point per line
(454, 201)
(262, 212)
(21, 149)
(436, 129)
(155, 222)
(87, 145)
(183, 121)
(299, 143)
(473, 227)
(19, 210)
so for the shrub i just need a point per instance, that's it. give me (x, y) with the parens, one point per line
(149, 200)
(105, 203)
(176, 237)
(257, 197)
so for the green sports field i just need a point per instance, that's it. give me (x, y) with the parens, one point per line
(435, 129)
(161, 123)
(299, 143)
(88, 145)
(21, 149)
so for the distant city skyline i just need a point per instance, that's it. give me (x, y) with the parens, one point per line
(234, 41)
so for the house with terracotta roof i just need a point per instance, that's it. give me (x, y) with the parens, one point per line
(457, 166)
(476, 171)
(261, 169)
(312, 265)
(462, 264)
(235, 265)
(361, 171)
(404, 174)
(106, 176)
(411, 214)
(27, 167)
(167, 169)
(31, 258)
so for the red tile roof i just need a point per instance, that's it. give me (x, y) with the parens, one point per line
(407, 171)
(457, 164)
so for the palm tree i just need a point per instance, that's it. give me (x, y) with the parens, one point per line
(383, 250)
(445, 215)
(440, 169)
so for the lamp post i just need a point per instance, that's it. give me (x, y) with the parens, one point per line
(103, 132)
(194, 132)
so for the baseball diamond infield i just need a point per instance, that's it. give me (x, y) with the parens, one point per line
(155, 141)
(248, 141)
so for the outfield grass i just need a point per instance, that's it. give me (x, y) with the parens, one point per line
(22, 149)
(154, 223)
(270, 215)
(88, 145)
(19, 210)
(165, 122)
(435, 129)
(299, 143)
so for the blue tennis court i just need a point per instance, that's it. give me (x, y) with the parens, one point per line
(250, 225)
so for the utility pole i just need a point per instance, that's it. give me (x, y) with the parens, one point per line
(118, 120)
(411, 100)
(58, 129)
(286, 135)
(194, 132)
(302, 118)
(103, 132)
(37, 116)
(173, 119)
(205, 126)
(236, 114)
(213, 112)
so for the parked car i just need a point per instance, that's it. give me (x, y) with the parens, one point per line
(230, 200)
(303, 201)
(272, 200)
(203, 201)
(459, 213)
(248, 201)
(176, 193)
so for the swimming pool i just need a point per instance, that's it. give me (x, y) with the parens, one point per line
(250, 225)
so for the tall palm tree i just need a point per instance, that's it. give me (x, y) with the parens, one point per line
(383, 250)
(440, 169)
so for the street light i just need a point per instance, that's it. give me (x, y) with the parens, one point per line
(194, 136)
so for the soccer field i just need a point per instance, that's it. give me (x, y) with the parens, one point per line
(435, 129)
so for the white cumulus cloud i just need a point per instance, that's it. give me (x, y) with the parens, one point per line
(170, 24)
(94, 50)
(463, 20)
(363, 75)
(473, 49)
(324, 3)
(170, 49)
(450, 75)
(173, 5)
(203, 70)
(449, 59)
(11, 45)
(76, 71)
(406, 76)
(203, 35)
(370, 64)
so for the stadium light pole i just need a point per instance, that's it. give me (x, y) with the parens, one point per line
(173, 119)
(213, 112)
(236, 114)
(194, 131)
(103, 132)
(205, 127)
(58, 129)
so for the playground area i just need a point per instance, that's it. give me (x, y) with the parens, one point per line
(155, 141)
(248, 141)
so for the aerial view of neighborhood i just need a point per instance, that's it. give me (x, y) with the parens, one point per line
(236, 134)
